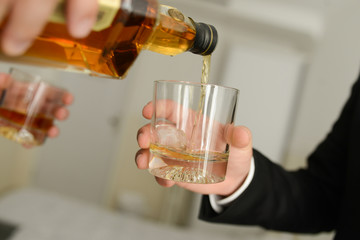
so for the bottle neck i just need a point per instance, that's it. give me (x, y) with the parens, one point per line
(176, 33)
(205, 40)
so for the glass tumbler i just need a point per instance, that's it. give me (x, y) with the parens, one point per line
(27, 107)
(187, 131)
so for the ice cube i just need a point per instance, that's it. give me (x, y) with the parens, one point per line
(168, 135)
(24, 137)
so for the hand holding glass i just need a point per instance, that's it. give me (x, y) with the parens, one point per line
(187, 131)
(27, 108)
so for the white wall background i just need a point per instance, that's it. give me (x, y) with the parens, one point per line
(293, 61)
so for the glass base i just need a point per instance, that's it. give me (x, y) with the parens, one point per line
(185, 174)
(21, 136)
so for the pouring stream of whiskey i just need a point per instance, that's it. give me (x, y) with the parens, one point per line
(204, 80)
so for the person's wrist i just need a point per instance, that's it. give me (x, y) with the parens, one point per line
(235, 185)
(236, 182)
(218, 202)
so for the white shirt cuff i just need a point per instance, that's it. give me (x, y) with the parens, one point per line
(218, 203)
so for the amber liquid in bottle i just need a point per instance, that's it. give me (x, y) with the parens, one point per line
(173, 34)
(111, 51)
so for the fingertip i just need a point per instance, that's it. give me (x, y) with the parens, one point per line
(81, 17)
(81, 28)
(164, 182)
(25, 21)
(15, 46)
(53, 132)
(61, 114)
(143, 137)
(141, 159)
(148, 110)
(68, 98)
(140, 139)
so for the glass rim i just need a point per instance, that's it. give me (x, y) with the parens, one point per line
(25, 75)
(197, 84)
(35, 78)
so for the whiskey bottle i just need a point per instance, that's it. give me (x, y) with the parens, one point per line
(123, 29)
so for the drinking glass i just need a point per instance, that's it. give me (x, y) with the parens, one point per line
(27, 107)
(187, 131)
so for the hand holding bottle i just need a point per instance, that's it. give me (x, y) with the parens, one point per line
(99, 32)
(238, 137)
(26, 19)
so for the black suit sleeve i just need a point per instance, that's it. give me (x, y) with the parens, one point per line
(306, 200)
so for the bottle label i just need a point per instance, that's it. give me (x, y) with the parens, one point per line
(106, 14)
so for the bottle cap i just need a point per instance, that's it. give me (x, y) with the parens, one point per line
(205, 40)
